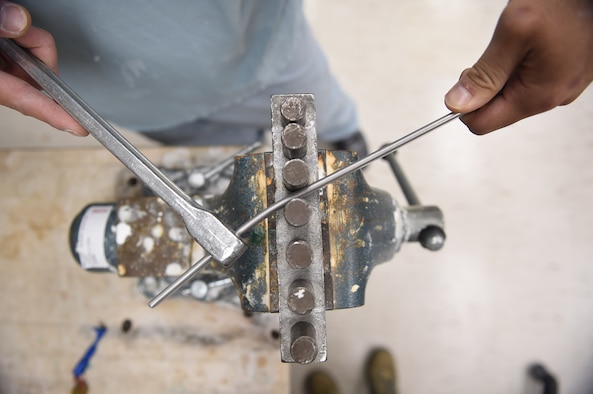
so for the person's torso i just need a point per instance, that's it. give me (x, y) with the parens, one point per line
(153, 65)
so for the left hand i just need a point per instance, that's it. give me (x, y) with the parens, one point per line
(17, 90)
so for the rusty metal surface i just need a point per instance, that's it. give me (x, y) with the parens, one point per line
(358, 226)
(361, 232)
(358, 231)
(245, 196)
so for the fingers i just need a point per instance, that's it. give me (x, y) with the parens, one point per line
(540, 56)
(21, 96)
(480, 84)
(14, 20)
(15, 23)
(503, 110)
(42, 46)
(17, 90)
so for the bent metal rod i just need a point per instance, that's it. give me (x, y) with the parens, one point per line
(321, 183)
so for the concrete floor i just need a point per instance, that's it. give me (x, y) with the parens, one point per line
(514, 283)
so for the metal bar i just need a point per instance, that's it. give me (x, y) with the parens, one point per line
(203, 225)
(301, 290)
(378, 154)
(404, 184)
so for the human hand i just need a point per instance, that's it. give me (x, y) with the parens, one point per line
(17, 90)
(540, 57)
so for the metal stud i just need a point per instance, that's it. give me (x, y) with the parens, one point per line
(303, 348)
(292, 109)
(297, 212)
(301, 299)
(294, 141)
(299, 254)
(295, 174)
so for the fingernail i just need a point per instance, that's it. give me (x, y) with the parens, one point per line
(73, 133)
(458, 96)
(13, 18)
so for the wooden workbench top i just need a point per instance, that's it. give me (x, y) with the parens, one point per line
(49, 305)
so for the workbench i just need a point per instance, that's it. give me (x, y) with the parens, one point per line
(49, 305)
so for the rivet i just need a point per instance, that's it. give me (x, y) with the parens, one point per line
(294, 141)
(299, 254)
(297, 212)
(295, 174)
(303, 348)
(292, 109)
(301, 299)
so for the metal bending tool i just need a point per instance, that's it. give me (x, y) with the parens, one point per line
(378, 154)
(213, 235)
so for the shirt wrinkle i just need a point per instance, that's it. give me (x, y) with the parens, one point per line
(169, 63)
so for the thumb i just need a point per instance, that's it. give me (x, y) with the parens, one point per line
(480, 84)
(14, 20)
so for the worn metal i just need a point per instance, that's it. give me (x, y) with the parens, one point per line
(366, 227)
(254, 273)
(303, 346)
(351, 168)
(361, 227)
(299, 254)
(313, 187)
(218, 239)
(297, 212)
(301, 299)
(432, 238)
(295, 174)
(294, 141)
(301, 290)
(419, 217)
(293, 109)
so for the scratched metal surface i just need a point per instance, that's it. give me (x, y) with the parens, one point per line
(48, 305)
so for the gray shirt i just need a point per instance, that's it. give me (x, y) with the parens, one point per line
(150, 65)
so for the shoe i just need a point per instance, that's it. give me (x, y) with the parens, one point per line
(380, 372)
(319, 382)
(355, 143)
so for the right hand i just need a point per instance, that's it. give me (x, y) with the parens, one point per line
(540, 57)
(17, 90)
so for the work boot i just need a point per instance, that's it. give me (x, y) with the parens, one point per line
(380, 372)
(319, 382)
(355, 143)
